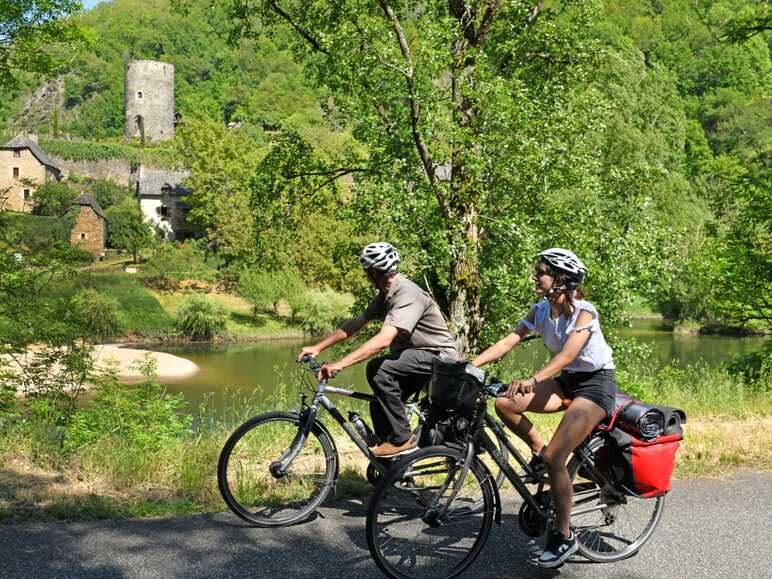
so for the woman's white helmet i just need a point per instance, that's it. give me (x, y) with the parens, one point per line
(565, 261)
(381, 257)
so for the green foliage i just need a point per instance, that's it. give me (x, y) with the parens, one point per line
(53, 199)
(321, 310)
(126, 227)
(171, 264)
(221, 164)
(755, 367)
(35, 233)
(138, 311)
(106, 192)
(200, 318)
(100, 314)
(36, 35)
(160, 156)
(265, 289)
(145, 417)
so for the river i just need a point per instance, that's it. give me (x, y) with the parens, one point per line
(245, 367)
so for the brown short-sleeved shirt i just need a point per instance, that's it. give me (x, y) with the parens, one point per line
(417, 317)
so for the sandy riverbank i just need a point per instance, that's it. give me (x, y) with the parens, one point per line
(124, 360)
(125, 363)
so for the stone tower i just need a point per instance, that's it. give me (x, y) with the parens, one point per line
(149, 100)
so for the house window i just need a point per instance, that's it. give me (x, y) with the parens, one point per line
(26, 194)
(17, 153)
(164, 212)
(139, 94)
(83, 236)
(15, 172)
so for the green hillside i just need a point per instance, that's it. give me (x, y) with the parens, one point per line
(255, 81)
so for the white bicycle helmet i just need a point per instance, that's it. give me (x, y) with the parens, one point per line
(565, 261)
(381, 257)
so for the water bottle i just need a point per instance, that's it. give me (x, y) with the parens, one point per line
(361, 427)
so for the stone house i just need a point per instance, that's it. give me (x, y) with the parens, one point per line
(23, 166)
(162, 201)
(90, 229)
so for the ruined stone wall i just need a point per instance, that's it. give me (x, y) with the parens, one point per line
(89, 231)
(149, 95)
(28, 169)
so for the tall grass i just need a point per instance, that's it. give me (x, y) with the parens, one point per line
(729, 426)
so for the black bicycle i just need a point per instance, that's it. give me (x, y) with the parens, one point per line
(425, 518)
(277, 468)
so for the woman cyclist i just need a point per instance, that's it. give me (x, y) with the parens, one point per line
(581, 370)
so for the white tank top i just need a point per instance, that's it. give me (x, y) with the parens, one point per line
(596, 353)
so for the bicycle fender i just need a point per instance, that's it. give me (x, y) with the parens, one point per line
(496, 495)
(320, 427)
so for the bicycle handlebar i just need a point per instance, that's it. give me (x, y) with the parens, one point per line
(314, 365)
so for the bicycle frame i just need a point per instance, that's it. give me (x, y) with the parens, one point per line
(479, 437)
(308, 414)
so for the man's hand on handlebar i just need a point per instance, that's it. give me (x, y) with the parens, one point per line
(308, 351)
(328, 371)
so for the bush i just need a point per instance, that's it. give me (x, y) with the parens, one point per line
(265, 289)
(98, 314)
(145, 417)
(320, 310)
(171, 264)
(200, 319)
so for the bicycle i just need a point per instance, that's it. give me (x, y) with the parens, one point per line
(277, 468)
(424, 518)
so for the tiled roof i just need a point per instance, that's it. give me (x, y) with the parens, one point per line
(87, 199)
(24, 142)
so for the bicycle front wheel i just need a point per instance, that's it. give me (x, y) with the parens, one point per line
(263, 495)
(424, 521)
(609, 525)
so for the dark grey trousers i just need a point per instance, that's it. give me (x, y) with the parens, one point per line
(394, 379)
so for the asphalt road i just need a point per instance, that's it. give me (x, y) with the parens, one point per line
(710, 528)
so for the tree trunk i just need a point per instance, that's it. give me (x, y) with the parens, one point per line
(465, 286)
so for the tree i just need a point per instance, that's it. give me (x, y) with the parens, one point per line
(477, 124)
(53, 198)
(32, 36)
(126, 228)
(221, 164)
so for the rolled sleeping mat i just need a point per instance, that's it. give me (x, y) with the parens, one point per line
(642, 420)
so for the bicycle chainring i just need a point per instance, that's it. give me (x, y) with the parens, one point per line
(530, 521)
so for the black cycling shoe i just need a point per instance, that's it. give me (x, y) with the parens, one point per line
(558, 549)
(539, 469)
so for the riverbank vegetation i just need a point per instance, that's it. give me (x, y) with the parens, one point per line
(140, 451)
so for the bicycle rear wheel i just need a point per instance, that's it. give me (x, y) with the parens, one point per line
(263, 496)
(417, 527)
(609, 524)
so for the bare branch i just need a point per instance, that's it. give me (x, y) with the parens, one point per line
(304, 32)
(535, 12)
(415, 109)
(487, 20)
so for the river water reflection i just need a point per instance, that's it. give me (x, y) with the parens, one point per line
(247, 366)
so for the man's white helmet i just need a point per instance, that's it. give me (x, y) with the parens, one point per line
(381, 257)
(565, 261)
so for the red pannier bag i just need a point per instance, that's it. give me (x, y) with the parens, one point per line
(643, 468)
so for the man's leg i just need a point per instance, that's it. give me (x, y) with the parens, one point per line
(393, 379)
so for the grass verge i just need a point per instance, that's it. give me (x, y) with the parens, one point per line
(729, 428)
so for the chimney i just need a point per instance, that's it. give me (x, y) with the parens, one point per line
(32, 136)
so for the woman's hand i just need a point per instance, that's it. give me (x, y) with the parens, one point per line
(520, 387)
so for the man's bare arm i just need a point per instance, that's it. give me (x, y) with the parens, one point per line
(344, 332)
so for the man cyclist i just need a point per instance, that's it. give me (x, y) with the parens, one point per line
(416, 332)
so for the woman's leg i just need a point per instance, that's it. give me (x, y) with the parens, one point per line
(546, 398)
(581, 417)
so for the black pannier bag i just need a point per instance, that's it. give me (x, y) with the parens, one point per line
(454, 390)
(644, 439)
(455, 385)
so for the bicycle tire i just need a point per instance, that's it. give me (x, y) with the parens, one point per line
(259, 497)
(398, 508)
(600, 533)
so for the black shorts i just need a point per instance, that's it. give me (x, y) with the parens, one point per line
(599, 386)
